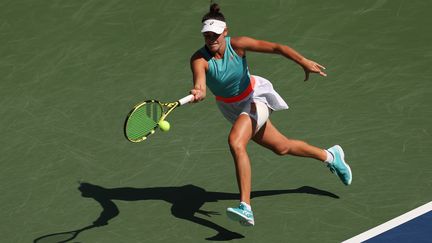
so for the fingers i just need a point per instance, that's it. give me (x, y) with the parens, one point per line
(314, 68)
(198, 95)
(319, 68)
(323, 74)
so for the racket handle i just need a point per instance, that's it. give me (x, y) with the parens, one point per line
(186, 99)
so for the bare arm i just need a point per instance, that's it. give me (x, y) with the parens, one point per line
(198, 67)
(250, 44)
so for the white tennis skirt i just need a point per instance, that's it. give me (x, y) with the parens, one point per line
(266, 100)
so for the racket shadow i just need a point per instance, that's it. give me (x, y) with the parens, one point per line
(62, 237)
(186, 202)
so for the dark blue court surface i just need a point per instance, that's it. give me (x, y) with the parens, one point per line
(416, 230)
(413, 226)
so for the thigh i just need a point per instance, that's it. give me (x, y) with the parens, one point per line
(242, 130)
(269, 137)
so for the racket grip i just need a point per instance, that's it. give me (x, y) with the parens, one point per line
(186, 99)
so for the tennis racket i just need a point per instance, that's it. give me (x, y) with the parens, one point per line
(144, 118)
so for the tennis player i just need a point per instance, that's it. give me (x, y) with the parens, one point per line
(247, 101)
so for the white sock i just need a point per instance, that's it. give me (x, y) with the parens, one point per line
(329, 158)
(248, 207)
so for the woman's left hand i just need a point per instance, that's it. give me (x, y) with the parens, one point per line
(310, 66)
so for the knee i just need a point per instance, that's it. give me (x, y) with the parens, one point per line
(236, 144)
(290, 146)
(281, 150)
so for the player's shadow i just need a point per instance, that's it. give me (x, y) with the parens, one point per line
(186, 202)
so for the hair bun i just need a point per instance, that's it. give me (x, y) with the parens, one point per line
(214, 8)
(214, 13)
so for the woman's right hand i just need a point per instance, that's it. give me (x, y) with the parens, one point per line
(198, 94)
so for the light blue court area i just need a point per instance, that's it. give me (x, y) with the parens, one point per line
(414, 226)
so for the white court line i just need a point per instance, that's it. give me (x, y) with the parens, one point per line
(391, 224)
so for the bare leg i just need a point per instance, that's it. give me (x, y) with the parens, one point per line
(241, 133)
(269, 137)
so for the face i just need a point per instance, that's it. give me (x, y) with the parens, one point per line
(213, 41)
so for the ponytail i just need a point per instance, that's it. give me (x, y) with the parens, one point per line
(214, 13)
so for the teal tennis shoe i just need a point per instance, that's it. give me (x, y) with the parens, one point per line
(242, 215)
(339, 166)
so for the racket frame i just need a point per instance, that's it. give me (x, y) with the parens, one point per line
(167, 108)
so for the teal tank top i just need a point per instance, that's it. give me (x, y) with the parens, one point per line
(229, 76)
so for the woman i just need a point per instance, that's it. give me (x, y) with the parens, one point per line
(247, 101)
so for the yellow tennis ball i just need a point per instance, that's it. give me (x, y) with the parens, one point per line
(164, 126)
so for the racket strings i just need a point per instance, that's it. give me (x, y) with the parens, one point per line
(143, 120)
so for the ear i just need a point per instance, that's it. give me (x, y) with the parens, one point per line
(225, 33)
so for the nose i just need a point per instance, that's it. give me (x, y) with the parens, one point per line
(210, 37)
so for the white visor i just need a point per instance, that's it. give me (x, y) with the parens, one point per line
(213, 25)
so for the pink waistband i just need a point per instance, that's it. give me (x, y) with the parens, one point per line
(241, 96)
